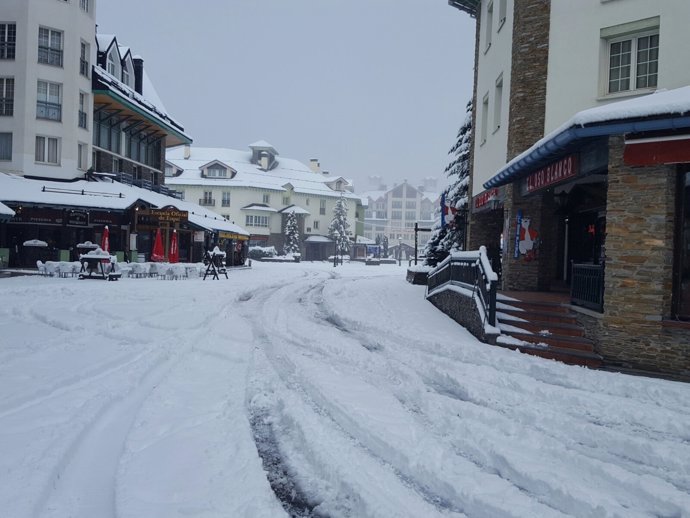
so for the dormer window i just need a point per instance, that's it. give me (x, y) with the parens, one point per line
(217, 171)
(112, 66)
(125, 76)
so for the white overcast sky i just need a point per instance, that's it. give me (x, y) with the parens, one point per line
(369, 87)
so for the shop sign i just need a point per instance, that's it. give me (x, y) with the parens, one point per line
(232, 235)
(104, 218)
(551, 174)
(39, 216)
(483, 199)
(169, 216)
(199, 236)
(78, 218)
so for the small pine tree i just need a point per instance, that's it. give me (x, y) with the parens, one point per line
(337, 230)
(291, 234)
(452, 236)
(384, 244)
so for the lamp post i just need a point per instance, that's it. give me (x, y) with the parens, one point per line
(399, 250)
(335, 254)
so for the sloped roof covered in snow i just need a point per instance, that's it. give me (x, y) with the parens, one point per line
(5, 211)
(287, 172)
(107, 195)
(662, 110)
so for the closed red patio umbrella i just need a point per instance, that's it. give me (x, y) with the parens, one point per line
(158, 254)
(174, 253)
(105, 241)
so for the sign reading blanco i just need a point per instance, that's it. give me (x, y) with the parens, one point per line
(551, 174)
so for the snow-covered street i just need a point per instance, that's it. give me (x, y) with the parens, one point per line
(310, 390)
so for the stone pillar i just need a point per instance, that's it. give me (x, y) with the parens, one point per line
(639, 264)
(531, 24)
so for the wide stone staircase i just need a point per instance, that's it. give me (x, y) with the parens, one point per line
(544, 325)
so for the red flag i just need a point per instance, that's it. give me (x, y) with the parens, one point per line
(105, 241)
(174, 254)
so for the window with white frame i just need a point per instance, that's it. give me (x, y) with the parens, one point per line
(83, 109)
(5, 146)
(49, 101)
(47, 150)
(498, 102)
(502, 12)
(286, 200)
(216, 171)
(6, 96)
(82, 154)
(49, 46)
(125, 75)
(84, 53)
(112, 64)
(485, 117)
(488, 26)
(225, 200)
(631, 56)
(315, 224)
(84, 5)
(266, 198)
(8, 40)
(256, 221)
(322, 207)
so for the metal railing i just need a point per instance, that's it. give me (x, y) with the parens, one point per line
(587, 286)
(46, 110)
(50, 56)
(472, 271)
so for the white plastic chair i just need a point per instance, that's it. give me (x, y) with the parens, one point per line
(51, 268)
(41, 267)
(64, 269)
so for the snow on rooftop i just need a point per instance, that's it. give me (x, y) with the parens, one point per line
(106, 195)
(5, 210)
(287, 170)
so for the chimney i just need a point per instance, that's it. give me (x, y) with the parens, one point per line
(326, 173)
(314, 165)
(187, 151)
(138, 63)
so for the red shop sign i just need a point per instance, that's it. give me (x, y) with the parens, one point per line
(551, 174)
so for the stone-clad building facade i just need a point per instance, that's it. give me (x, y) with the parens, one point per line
(579, 167)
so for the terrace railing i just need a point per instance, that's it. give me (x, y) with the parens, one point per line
(471, 270)
(587, 286)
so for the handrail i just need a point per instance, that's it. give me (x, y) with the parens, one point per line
(471, 269)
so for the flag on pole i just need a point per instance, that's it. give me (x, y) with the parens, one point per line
(443, 210)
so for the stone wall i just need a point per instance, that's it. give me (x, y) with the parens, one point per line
(640, 221)
(462, 309)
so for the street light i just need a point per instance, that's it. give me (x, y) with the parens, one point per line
(399, 250)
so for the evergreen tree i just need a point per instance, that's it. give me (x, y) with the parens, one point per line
(291, 234)
(452, 236)
(337, 230)
(384, 244)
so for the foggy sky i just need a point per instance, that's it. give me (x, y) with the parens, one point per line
(369, 87)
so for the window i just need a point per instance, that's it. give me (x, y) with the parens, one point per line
(216, 171)
(488, 27)
(316, 225)
(286, 200)
(47, 150)
(410, 204)
(502, 11)
(5, 146)
(322, 207)
(125, 76)
(485, 117)
(396, 214)
(256, 221)
(6, 96)
(50, 47)
(48, 102)
(83, 106)
(226, 199)
(266, 198)
(8, 40)
(307, 202)
(82, 153)
(112, 66)
(397, 204)
(207, 200)
(84, 59)
(498, 101)
(84, 5)
(632, 56)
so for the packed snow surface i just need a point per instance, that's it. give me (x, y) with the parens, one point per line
(307, 390)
